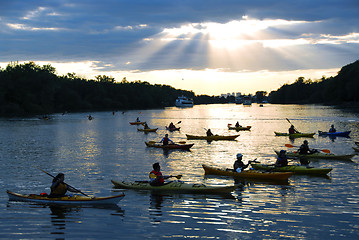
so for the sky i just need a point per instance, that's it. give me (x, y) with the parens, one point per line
(209, 47)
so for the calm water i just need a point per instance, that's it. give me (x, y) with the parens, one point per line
(91, 153)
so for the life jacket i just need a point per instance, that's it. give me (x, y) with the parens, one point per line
(60, 190)
(165, 141)
(153, 176)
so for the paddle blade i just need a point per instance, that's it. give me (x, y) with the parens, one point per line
(325, 150)
(179, 176)
(182, 142)
(289, 145)
(152, 142)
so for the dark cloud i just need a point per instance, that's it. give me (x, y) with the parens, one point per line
(113, 31)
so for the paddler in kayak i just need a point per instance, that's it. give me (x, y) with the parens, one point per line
(145, 126)
(282, 159)
(165, 140)
(238, 125)
(59, 188)
(332, 129)
(304, 148)
(171, 126)
(292, 130)
(238, 165)
(156, 177)
(209, 133)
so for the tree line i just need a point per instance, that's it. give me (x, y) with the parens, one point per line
(338, 90)
(29, 89)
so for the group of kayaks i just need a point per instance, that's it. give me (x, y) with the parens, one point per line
(310, 135)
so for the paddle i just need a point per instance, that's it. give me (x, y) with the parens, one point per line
(292, 125)
(291, 146)
(179, 122)
(66, 183)
(176, 176)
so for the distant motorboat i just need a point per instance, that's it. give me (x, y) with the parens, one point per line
(183, 101)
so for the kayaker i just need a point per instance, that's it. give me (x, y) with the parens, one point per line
(59, 188)
(138, 119)
(209, 133)
(165, 140)
(145, 126)
(238, 165)
(156, 177)
(282, 159)
(332, 129)
(237, 124)
(304, 148)
(171, 126)
(292, 130)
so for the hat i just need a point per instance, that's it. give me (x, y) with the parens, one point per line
(239, 155)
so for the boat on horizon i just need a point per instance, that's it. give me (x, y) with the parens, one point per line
(183, 101)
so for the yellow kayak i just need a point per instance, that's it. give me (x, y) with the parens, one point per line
(248, 174)
(295, 135)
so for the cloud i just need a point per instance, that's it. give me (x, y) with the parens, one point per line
(144, 36)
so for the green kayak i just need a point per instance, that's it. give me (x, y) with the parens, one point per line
(295, 135)
(293, 168)
(318, 155)
(175, 187)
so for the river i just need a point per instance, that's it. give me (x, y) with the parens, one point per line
(91, 153)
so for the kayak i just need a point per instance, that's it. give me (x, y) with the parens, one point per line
(173, 129)
(213, 137)
(75, 199)
(169, 146)
(248, 174)
(240, 128)
(137, 123)
(295, 135)
(334, 134)
(175, 186)
(319, 155)
(147, 129)
(293, 168)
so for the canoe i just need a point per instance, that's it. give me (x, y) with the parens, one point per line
(295, 135)
(137, 123)
(147, 130)
(173, 129)
(169, 146)
(334, 134)
(75, 199)
(318, 155)
(176, 186)
(241, 128)
(248, 174)
(214, 137)
(293, 168)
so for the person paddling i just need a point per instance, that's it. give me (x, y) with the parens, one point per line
(282, 159)
(165, 140)
(59, 188)
(304, 148)
(292, 130)
(209, 133)
(156, 177)
(332, 129)
(238, 165)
